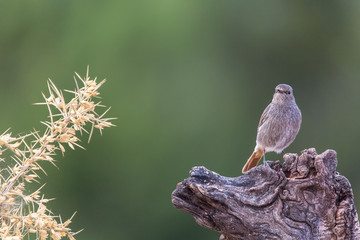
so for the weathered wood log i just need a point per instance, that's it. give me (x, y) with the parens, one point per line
(303, 198)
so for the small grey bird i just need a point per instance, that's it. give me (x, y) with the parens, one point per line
(279, 124)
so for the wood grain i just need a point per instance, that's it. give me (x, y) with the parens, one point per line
(303, 198)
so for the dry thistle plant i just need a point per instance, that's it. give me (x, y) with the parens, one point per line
(24, 213)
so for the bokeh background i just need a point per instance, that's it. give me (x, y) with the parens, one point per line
(188, 81)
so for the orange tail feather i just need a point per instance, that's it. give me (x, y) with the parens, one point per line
(253, 160)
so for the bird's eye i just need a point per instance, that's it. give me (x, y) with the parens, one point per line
(288, 92)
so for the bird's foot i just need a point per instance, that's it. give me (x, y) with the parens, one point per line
(266, 163)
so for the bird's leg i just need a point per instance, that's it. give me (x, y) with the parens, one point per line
(265, 163)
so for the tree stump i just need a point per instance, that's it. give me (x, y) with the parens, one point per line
(303, 198)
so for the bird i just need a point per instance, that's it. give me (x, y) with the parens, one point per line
(278, 126)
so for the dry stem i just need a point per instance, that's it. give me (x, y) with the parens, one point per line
(21, 213)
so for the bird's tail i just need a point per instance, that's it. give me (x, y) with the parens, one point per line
(253, 160)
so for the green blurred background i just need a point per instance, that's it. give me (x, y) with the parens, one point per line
(188, 81)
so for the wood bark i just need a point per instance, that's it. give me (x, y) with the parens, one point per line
(303, 198)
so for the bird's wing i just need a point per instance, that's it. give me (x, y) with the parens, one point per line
(264, 116)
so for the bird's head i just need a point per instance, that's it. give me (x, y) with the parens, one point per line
(283, 94)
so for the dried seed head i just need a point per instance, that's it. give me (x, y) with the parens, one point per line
(24, 214)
